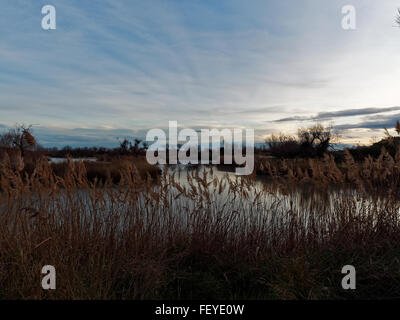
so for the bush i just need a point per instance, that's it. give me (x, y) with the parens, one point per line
(283, 146)
(311, 142)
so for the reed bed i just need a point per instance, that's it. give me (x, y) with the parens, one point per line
(380, 176)
(197, 235)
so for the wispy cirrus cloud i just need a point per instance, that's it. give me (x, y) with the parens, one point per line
(371, 122)
(138, 64)
(339, 114)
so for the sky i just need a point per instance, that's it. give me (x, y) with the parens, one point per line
(117, 68)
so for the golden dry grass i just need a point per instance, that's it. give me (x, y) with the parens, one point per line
(196, 235)
(379, 176)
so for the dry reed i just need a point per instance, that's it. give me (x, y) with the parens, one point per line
(199, 235)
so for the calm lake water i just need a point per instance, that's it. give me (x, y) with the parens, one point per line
(240, 201)
(260, 197)
(62, 160)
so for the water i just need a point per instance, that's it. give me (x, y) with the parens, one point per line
(221, 197)
(62, 160)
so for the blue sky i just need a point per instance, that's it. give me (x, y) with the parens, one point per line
(118, 68)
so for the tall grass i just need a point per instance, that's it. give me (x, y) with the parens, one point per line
(195, 235)
(380, 176)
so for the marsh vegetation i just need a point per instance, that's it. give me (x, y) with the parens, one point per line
(119, 228)
(201, 234)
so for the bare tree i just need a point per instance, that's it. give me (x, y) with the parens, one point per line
(398, 17)
(311, 141)
(316, 139)
(19, 137)
(131, 147)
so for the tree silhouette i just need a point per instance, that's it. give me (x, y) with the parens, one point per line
(18, 137)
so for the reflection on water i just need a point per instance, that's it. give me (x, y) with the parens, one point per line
(63, 160)
(186, 194)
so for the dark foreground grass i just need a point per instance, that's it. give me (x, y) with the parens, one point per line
(209, 238)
